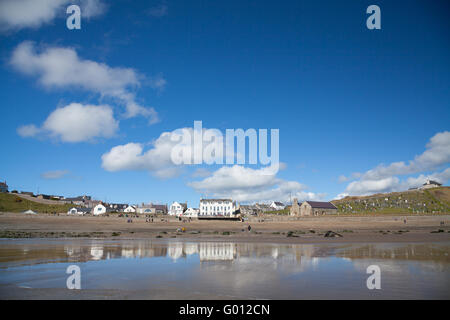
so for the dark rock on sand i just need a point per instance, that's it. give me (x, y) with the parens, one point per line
(332, 234)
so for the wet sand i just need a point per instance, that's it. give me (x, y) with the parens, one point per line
(173, 269)
(280, 230)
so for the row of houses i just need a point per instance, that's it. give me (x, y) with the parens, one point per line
(259, 208)
(212, 208)
(222, 208)
(102, 208)
(207, 207)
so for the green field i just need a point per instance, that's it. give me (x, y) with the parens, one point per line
(12, 203)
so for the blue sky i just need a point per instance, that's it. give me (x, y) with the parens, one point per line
(359, 111)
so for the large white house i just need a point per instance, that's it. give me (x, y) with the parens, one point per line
(217, 207)
(177, 208)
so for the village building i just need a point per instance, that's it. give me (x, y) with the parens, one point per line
(3, 187)
(263, 207)
(130, 209)
(79, 211)
(160, 208)
(99, 209)
(430, 184)
(191, 212)
(116, 207)
(276, 206)
(248, 209)
(79, 201)
(146, 209)
(217, 207)
(91, 203)
(177, 208)
(312, 208)
(43, 196)
(295, 208)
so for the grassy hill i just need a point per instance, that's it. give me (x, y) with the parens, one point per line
(11, 203)
(436, 200)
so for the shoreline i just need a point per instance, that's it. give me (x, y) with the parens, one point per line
(305, 230)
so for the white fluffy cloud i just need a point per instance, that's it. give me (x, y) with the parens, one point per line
(131, 156)
(75, 123)
(241, 183)
(159, 158)
(20, 14)
(384, 178)
(58, 67)
(251, 185)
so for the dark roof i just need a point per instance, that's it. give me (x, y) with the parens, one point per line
(432, 182)
(279, 203)
(3, 184)
(321, 205)
(160, 206)
(214, 200)
(117, 206)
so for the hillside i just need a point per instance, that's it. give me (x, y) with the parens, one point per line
(436, 200)
(12, 203)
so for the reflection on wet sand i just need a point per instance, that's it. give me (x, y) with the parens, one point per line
(34, 252)
(239, 270)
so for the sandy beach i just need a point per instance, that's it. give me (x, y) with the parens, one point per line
(273, 229)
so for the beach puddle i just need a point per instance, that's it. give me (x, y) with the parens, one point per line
(147, 269)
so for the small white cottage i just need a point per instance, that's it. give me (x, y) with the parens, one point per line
(99, 209)
(130, 209)
(276, 206)
(191, 212)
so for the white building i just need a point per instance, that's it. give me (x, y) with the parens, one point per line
(217, 207)
(430, 184)
(191, 212)
(146, 210)
(130, 209)
(177, 209)
(99, 209)
(277, 206)
(79, 211)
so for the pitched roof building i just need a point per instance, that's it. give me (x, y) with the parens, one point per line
(431, 184)
(312, 208)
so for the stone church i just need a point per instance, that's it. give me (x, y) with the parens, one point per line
(312, 208)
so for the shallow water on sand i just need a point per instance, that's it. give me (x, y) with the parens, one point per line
(149, 269)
